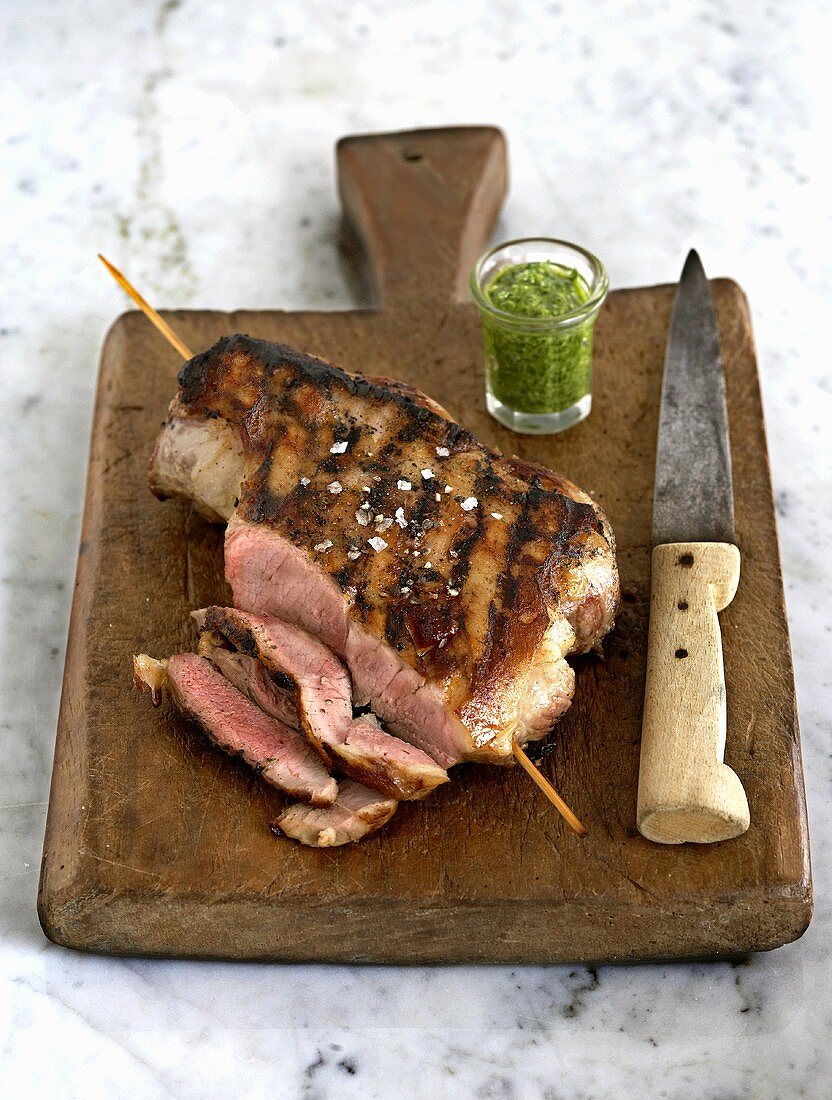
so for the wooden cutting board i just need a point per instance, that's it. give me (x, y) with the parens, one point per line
(158, 844)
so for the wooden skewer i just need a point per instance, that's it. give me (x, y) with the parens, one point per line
(148, 310)
(186, 353)
(547, 788)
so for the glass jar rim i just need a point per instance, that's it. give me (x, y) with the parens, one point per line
(600, 288)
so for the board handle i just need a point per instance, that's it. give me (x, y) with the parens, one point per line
(423, 203)
(685, 791)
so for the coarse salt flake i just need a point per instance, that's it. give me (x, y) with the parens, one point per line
(449, 488)
(325, 545)
(427, 474)
(377, 544)
(453, 591)
(304, 481)
(338, 448)
(496, 515)
(438, 496)
(402, 522)
(335, 487)
(402, 484)
(383, 524)
(361, 518)
(353, 555)
(469, 503)
(443, 452)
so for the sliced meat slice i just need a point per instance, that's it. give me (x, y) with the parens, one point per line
(324, 698)
(250, 677)
(356, 812)
(279, 754)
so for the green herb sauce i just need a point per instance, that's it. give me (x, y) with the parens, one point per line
(529, 369)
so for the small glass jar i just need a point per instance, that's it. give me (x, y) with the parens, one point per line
(538, 370)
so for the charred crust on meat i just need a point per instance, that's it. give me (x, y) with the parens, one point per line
(199, 379)
(343, 576)
(281, 680)
(217, 621)
(360, 601)
(395, 624)
(241, 638)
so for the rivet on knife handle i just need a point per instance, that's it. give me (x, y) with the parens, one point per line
(686, 792)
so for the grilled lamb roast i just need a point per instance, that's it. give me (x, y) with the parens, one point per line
(379, 558)
(451, 581)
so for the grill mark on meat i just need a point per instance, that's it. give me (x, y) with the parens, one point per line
(478, 549)
(394, 624)
(410, 430)
(463, 550)
(259, 505)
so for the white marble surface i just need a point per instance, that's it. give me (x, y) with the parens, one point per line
(193, 142)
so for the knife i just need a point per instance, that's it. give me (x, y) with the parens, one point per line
(685, 791)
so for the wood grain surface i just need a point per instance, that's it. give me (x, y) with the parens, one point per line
(158, 844)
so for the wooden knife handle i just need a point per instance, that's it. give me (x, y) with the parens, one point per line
(424, 204)
(685, 791)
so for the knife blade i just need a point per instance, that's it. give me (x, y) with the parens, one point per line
(686, 792)
(693, 498)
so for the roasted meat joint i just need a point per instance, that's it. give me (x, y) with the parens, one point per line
(404, 598)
